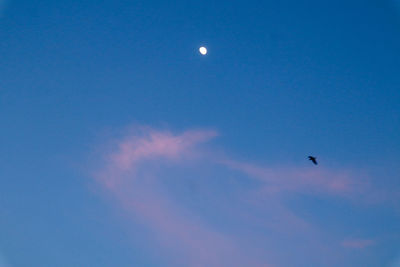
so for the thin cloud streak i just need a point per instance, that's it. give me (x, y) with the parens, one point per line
(158, 144)
(133, 174)
(201, 246)
(306, 180)
(148, 144)
(357, 243)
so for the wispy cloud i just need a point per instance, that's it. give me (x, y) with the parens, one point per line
(306, 180)
(134, 173)
(144, 199)
(157, 145)
(146, 144)
(357, 243)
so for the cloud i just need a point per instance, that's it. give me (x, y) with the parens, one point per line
(157, 145)
(357, 243)
(144, 171)
(146, 200)
(305, 180)
(146, 144)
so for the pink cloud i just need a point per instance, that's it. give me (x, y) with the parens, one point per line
(157, 145)
(148, 145)
(143, 197)
(191, 240)
(133, 175)
(305, 180)
(357, 243)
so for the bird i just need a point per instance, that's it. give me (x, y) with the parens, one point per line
(313, 159)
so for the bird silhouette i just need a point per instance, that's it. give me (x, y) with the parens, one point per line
(313, 159)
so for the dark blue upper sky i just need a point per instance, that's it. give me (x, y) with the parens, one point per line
(282, 80)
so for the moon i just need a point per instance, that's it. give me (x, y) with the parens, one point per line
(203, 50)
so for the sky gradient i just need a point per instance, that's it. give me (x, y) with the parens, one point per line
(121, 145)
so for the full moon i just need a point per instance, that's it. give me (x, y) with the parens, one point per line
(203, 50)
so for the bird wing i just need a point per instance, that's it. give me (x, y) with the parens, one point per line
(313, 159)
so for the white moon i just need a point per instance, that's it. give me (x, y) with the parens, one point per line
(203, 50)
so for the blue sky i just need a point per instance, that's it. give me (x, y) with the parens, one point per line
(122, 146)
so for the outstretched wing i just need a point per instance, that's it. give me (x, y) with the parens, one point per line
(313, 159)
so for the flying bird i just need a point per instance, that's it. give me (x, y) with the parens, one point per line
(313, 159)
